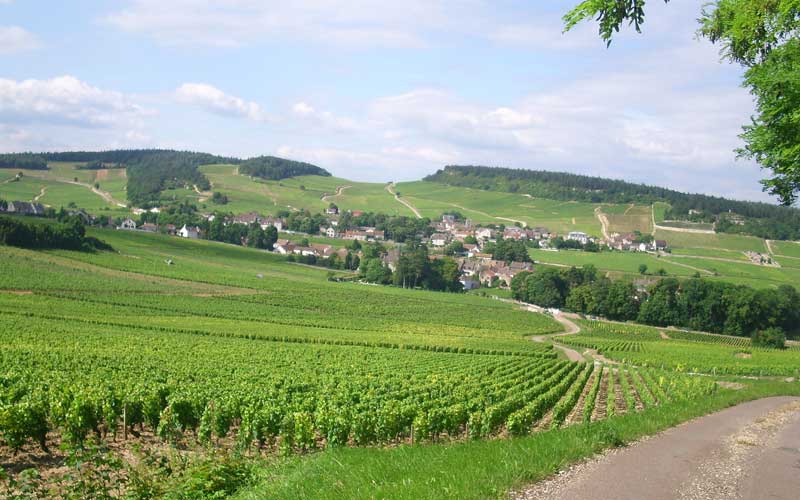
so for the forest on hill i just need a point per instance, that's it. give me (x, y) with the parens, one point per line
(762, 219)
(274, 169)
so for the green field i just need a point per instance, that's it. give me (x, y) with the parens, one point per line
(60, 191)
(627, 264)
(723, 241)
(786, 248)
(488, 207)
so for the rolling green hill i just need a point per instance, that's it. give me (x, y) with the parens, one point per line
(716, 255)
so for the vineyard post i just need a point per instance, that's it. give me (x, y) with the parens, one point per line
(124, 422)
(412, 434)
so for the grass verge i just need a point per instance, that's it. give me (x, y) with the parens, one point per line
(477, 469)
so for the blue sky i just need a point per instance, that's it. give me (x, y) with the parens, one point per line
(374, 91)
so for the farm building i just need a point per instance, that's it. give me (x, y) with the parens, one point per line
(127, 224)
(189, 232)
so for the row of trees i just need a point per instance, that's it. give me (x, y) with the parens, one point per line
(240, 234)
(775, 222)
(69, 233)
(697, 304)
(23, 160)
(414, 269)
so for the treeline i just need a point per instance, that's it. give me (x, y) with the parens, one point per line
(698, 304)
(774, 222)
(23, 160)
(240, 234)
(68, 234)
(274, 168)
(413, 269)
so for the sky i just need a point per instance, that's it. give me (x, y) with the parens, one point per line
(379, 91)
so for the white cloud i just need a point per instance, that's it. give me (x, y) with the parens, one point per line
(65, 113)
(216, 101)
(324, 119)
(65, 100)
(14, 39)
(233, 23)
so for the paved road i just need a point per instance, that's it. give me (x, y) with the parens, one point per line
(750, 451)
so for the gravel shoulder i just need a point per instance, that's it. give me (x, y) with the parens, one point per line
(748, 451)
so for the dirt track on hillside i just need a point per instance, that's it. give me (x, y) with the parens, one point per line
(390, 188)
(749, 451)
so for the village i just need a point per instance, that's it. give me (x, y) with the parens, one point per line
(471, 246)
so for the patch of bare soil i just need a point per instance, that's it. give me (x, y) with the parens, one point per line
(601, 406)
(18, 292)
(743, 355)
(664, 335)
(636, 396)
(576, 415)
(736, 386)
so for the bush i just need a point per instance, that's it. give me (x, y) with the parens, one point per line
(771, 337)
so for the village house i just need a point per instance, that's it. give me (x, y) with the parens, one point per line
(470, 284)
(171, 229)
(332, 210)
(364, 234)
(471, 267)
(127, 224)
(484, 233)
(352, 234)
(578, 236)
(439, 239)
(271, 222)
(148, 227)
(330, 232)
(514, 233)
(25, 208)
(322, 250)
(391, 258)
(539, 232)
(247, 219)
(304, 251)
(189, 232)
(283, 246)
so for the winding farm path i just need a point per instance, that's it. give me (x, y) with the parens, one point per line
(521, 222)
(103, 194)
(339, 190)
(204, 195)
(41, 193)
(603, 218)
(749, 451)
(684, 229)
(390, 188)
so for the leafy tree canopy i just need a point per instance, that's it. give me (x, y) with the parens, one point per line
(762, 36)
